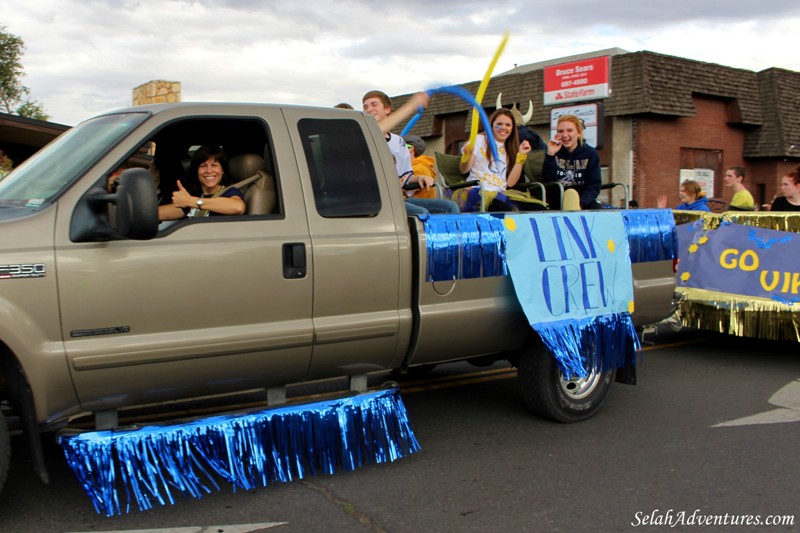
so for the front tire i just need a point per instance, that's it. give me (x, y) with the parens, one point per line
(5, 450)
(548, 394)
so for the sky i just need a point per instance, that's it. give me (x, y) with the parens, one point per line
(84, 57)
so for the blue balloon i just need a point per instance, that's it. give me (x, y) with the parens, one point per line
(412, 122)
(467, 97)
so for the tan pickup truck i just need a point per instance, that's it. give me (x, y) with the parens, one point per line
(102, 308)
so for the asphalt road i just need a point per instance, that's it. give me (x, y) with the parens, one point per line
(696, 442)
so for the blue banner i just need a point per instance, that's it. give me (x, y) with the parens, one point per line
(738, 259)
(472, 245)
(569, 266)
(572, 275)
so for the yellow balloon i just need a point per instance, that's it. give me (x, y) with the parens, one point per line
(473, 131)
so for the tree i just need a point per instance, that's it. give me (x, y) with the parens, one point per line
(14, 96)
(32, 109)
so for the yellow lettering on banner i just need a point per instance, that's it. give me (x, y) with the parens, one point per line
(752, 264)
(724, 263)
(776, 278)
(788, 282)
(791, 281)
(747, 262)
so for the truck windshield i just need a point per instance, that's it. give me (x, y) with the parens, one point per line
(40, 179)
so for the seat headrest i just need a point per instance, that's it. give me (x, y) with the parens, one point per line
(245, 165)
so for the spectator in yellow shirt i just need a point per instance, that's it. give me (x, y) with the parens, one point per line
(742, 199)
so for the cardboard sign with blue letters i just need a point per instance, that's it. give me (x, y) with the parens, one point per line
(569, 266)
(572, 275)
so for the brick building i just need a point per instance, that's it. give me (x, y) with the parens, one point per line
(665, 114)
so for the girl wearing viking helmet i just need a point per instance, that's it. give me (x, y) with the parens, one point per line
(495, 177)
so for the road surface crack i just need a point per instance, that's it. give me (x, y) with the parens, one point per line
(348, 507)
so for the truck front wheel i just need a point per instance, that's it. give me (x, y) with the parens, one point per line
(5, 450)
(550, 395)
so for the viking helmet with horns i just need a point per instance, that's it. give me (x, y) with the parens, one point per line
(519, 118)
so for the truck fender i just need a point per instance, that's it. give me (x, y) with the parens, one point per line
(21, 397)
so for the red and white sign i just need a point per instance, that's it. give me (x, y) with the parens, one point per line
(580, 80)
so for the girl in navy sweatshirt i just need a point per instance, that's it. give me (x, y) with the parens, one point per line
(573, 162)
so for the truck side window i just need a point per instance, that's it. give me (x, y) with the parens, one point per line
(244, 140)
(342, 172)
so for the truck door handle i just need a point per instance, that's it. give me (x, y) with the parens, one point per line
(294, 260)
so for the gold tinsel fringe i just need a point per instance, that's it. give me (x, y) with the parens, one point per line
(783, 221)
(739, 315)
(731, 313)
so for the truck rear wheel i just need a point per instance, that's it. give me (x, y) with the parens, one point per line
(550, 395)
(5, 450)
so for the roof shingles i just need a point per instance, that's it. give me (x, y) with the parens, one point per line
(651, 83)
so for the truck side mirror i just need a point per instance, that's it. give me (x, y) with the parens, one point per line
(137, 205)
(135, 210)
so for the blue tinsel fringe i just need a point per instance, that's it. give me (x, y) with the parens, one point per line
(473, 245)
(151, 465)
(651, 234)
(465, 246)
(598, 344)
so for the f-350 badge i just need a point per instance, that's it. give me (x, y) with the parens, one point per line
(27, 270)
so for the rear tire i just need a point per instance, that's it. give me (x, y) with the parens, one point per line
(5, 450)
(548, 394)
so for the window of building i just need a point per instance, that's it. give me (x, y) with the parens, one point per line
(703, 166)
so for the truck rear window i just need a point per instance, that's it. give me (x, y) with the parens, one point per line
(342, 172)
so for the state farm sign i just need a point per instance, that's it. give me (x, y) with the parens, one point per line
(579, 80)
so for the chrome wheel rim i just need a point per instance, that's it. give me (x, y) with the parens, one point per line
(579, 388)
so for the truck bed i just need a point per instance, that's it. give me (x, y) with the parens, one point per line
(463, 312)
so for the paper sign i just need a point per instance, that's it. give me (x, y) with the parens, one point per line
(569, 266)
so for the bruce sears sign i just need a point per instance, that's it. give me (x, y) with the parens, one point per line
(587, 79)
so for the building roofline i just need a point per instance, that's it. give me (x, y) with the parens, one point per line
(521, 69)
